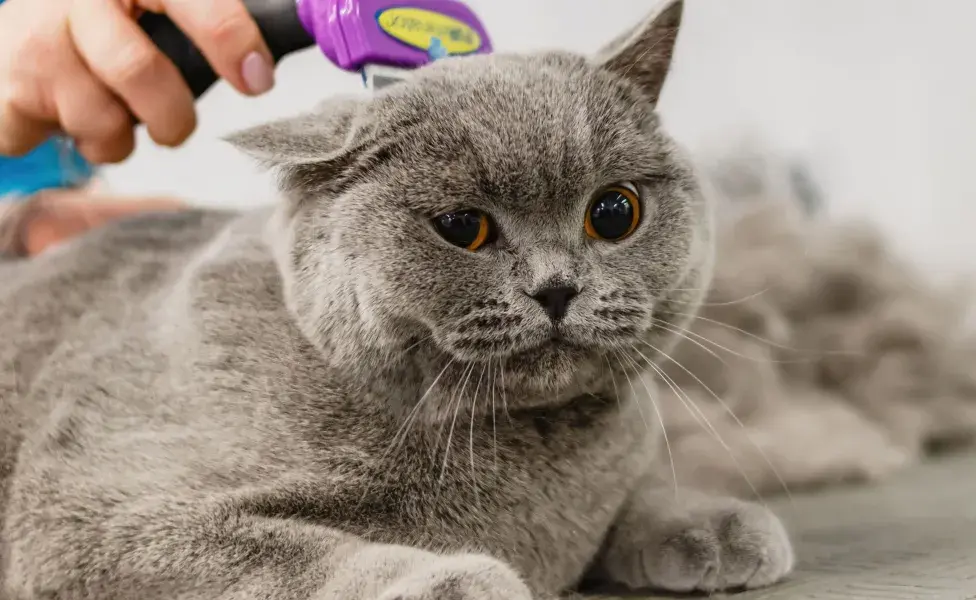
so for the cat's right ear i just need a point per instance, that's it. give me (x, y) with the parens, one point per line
(316, 137)
(313, 152)
(643, 55)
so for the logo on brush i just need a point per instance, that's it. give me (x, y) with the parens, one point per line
(419, 28)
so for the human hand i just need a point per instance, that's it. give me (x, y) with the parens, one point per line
(85, 67)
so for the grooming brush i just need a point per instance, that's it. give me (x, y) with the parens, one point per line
(381, 39)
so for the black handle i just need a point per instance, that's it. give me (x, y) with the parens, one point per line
(277, 20)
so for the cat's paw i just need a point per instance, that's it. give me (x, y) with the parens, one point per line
(727, 544)
(460, 577)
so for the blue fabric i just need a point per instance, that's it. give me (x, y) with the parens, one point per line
(53, 164)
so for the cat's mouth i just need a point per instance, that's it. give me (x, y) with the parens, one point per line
(550, 345)
(556, 335)
(558, 341)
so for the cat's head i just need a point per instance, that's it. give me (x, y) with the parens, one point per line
(523, 210)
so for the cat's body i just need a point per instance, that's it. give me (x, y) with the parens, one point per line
(235, 414)
(331, 402)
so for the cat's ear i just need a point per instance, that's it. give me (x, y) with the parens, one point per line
(311, 138)
(643, 55)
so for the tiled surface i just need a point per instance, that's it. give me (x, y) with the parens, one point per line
(912, 538)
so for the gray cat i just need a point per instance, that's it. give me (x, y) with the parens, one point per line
(418, 378)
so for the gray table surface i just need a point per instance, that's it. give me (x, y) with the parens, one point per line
(913, 537)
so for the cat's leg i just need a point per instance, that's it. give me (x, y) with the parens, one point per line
(694, 542)
(177, 552)
(426, 576)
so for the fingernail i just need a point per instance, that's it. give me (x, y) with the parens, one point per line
(258, 73)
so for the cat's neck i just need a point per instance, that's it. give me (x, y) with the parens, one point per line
(421, 382)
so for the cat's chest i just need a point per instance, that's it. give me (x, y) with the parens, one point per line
(571, 481)
(539, 490)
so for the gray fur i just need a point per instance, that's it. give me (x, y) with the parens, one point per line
(330, 402)
(821, 354)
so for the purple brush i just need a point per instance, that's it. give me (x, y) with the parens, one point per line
(382, 39)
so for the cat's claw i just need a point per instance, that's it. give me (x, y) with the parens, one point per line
(729, 545)
(462, 577)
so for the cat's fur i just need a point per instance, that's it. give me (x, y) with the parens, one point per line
(820, 355)
(331, 402)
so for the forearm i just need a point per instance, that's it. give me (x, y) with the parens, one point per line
(183, 552)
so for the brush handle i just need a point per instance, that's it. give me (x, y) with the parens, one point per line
(277, 20)
(351, 33)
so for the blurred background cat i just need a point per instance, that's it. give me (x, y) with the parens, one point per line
(822, 354)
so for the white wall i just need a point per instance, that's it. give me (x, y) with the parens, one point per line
(880, 94)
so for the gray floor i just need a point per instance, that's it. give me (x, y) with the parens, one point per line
(912, 538)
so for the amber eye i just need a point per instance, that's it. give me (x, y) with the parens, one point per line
(614, 213)
(468, 229)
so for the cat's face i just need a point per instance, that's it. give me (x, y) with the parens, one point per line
(523, 210)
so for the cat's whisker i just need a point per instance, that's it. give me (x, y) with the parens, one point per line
(741, 355)
(494, 428)
(401, 435)
(474, 409)
(693, 408)
(733, 302)
(450, 433)
(660, 416)
(816, 353)
(443, 421)
(667, 290)
(696, 303)
(613, 378)
(508, 415)
(728, 409)
(684, 334)
(414, 412)
(637, 403)
(678, 393)
(418, 342)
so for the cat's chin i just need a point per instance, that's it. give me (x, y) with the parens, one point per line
(551, 365)
(549, 350)
(552, 362)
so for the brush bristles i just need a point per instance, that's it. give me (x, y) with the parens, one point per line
(377, 77)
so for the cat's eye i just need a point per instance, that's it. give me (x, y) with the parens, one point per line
(468, 229)
(614, 213)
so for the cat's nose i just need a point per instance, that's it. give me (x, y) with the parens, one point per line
(555, 299)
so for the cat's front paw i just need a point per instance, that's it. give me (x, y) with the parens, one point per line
(724, 544)
(461, 577)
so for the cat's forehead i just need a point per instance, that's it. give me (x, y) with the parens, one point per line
(516, 126)
(533, 95)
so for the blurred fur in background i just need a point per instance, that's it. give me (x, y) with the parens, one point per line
(820, 355)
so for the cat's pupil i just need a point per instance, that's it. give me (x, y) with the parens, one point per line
(612, 215)
(461, 228)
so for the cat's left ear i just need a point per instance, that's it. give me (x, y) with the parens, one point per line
(643, 55)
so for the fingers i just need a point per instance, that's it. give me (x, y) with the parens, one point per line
(20, 133)
(113, 150)
(94, 68)
(120, 54)
(229, 39)
(26, 117)
(91, 114)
